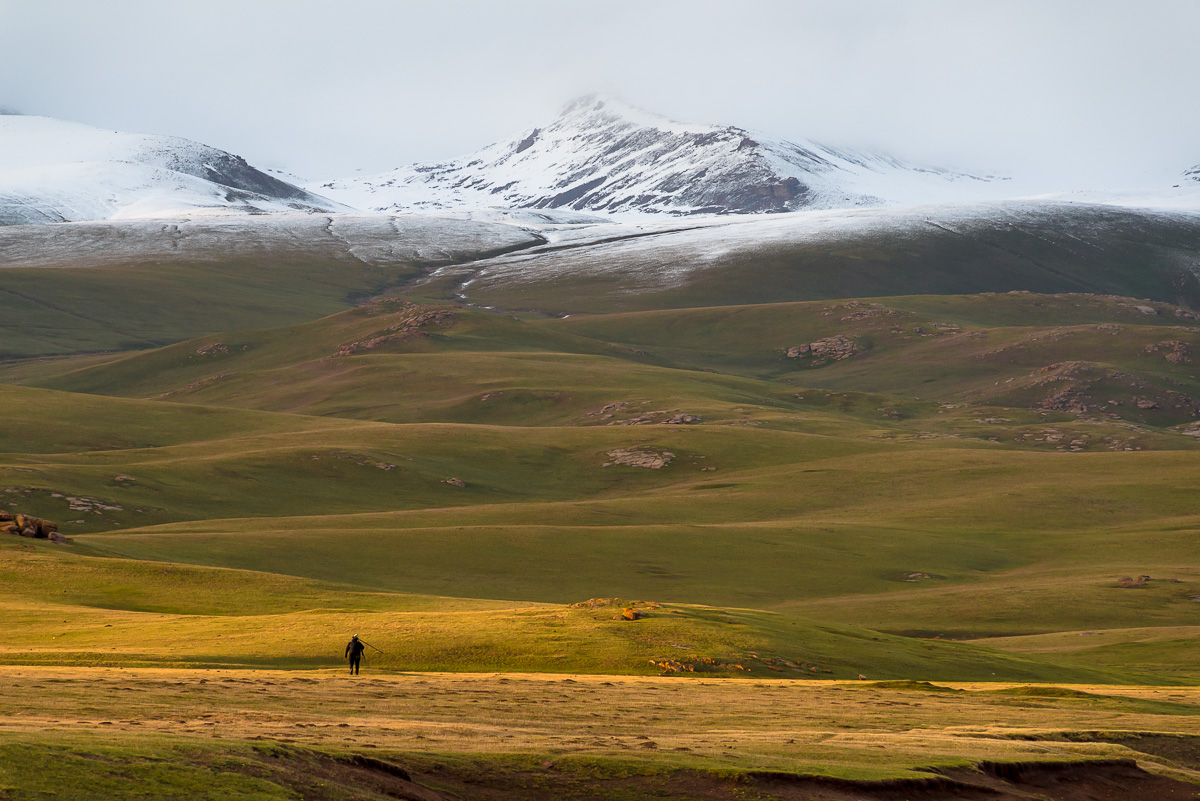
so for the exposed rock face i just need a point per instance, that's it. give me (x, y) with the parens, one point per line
(639, 457)
(414, 322)
(823, 351)
(215, 349)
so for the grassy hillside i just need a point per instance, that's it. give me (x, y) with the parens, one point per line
(68, 609)
(922, 485)
(137, 284)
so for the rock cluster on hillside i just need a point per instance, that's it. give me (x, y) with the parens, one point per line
(825, 350)
(639, 457)
(414, 323)
(30, 526)
(1173, 350)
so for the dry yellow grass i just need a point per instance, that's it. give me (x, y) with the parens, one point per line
(852, 729)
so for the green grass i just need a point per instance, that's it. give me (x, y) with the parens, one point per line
(897, 491)
(65, 609)
(72, 310)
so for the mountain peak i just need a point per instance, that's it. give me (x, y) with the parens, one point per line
(603, 154)
(601, 108)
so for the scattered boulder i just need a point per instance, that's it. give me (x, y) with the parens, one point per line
(629, 613)
(1175, 351)
(639, 457)
(659, 416)
(1126, 582)
(215, 349)
(609, 409)
(702, 664)
(866, 311)
(360, 459)
(1068, 400)
(456, 482)
(595, 603)
(22, 525)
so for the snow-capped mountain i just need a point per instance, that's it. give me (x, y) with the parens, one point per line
(602, 155)
(57, 171)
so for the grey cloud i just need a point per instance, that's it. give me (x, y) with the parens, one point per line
(1084, 92)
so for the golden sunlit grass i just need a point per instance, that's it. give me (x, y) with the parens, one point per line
(856, 730)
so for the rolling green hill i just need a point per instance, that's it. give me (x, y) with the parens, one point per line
(917, 486)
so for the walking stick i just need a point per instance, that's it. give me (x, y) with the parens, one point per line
(364, 642)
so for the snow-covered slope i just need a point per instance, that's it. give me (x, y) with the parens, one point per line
(57, 171)
(602, 155)
(1032, 245)
(364, 239)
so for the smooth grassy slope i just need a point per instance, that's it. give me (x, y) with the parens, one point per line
(211, 462)
(1002, 542)
(79, 610)
(131, 284)
(64, 310)
(1047, 248)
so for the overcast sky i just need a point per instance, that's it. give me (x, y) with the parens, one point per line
(1094, 92)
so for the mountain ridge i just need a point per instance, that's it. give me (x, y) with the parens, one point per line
(57, 171)
(603, 155)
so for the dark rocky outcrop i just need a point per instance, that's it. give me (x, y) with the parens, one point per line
(23, 525)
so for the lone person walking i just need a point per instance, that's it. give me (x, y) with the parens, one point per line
(354, 650)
